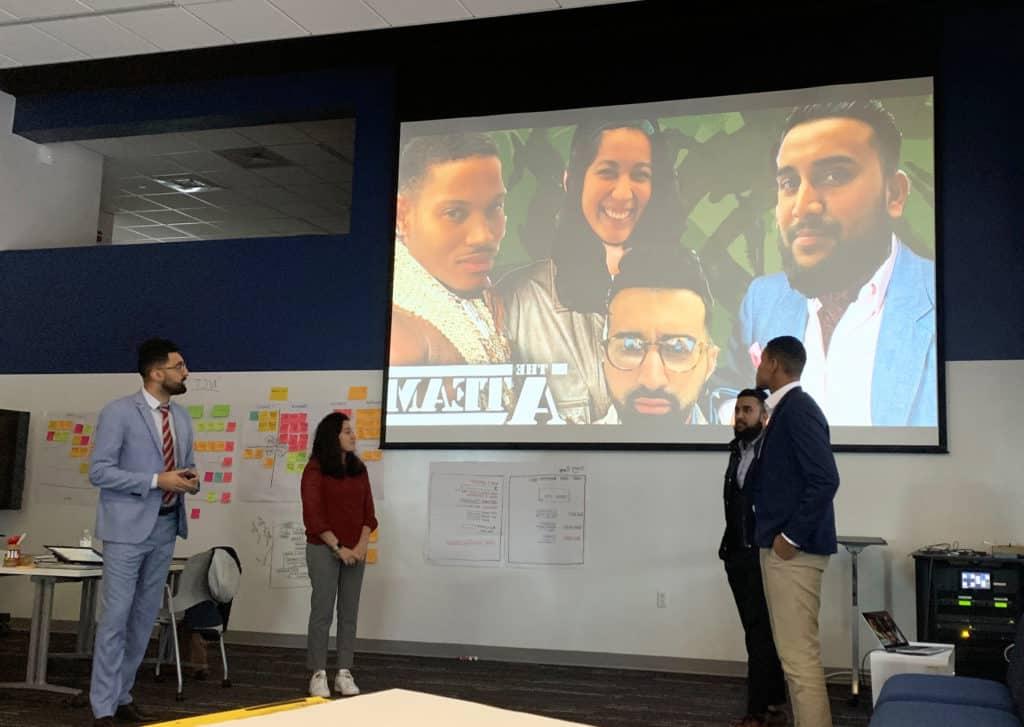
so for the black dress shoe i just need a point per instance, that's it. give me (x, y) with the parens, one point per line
(131, 713)
(103, 722)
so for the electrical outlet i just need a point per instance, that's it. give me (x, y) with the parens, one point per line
(662, 599)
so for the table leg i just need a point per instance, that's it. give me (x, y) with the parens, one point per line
(855, 629)
(83, 618)
(39, 642)
(33, 634)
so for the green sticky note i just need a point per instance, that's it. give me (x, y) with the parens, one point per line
(220, 411)
(254, 416)
(201, 427)
(219, 477)
(211, 497)
(87, 429)
(195, 411)
(216, 426)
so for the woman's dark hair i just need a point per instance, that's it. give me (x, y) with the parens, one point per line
(327, 448)
(582, 279)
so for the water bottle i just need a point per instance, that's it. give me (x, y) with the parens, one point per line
(86, 540)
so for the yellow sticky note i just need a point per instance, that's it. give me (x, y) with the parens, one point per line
(371, 455)
(268, 463)
(373, 537)
(357, 393)
(84, 468)
(371, 556)
(368, 423)
(219, 446)
(279, 393)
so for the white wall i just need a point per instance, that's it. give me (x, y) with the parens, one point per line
(653, 523)
(49, 194)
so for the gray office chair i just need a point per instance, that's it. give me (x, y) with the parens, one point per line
(205, 592)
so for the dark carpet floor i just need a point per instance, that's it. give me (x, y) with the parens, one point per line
(600, 697)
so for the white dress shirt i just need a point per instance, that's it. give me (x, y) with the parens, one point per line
(158, 419)
(840, 379)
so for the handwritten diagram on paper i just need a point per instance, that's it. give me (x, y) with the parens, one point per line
(515, 513)
(288, 568)
(216, 450)
(62, 460)
(465, 515)
(546, 517)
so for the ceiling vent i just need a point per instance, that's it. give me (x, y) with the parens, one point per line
(255, 157)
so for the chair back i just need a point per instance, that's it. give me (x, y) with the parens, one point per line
(193, 584)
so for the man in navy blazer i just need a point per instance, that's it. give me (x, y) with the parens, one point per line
(142, 462)
(793, 482)
(858, 298)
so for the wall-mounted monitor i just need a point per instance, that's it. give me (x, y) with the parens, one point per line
(13, 447)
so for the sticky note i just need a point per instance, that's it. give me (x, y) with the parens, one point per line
(195, 513)
(208, 477)
(83, 468)
(201, 427)
(268, 462)
(346, 412)
(216, 426)
(371, 556)
(195, 411)
(227, 477)
(229, 446)
(371, 455)
(49, 436)
(357, 393)
(52, 424)
(254, 416)
(279, 393)
(200, 446)
(227, 462)
(88, 429)
(220, 411)
(373, 537)
(219, 477)
(368, 423)
(225, 498)
(85, 440)
(211, 497)
(78, 429)
(231, 426)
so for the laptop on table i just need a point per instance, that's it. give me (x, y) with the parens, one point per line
(892, 639)
(75, 555)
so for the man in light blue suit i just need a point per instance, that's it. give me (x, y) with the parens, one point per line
(142, 463)
(859, 299)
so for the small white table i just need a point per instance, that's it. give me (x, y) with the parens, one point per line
(885, 664)
(45, 578)
(855, 545)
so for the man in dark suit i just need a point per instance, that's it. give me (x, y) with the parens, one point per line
(766, 684)
(793, 483)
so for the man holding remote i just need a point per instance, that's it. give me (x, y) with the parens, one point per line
(142, 462)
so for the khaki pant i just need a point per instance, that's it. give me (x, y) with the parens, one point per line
(792, 589)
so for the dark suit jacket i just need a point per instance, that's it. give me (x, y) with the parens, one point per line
(795, 478)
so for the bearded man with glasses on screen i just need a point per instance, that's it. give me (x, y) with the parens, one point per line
(658, 353)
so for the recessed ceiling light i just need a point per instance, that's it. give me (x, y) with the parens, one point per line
(187, 184)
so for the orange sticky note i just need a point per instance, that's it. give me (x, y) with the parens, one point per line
(357, 393)
(368, 423)
(371, 455)
(373, 537)
(371, 556)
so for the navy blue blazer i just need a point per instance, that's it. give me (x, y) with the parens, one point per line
(795, 478)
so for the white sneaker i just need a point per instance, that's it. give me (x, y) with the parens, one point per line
(318, 685)
(345, 684)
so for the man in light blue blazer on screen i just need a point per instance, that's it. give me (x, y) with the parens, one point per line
(861, 301)
(142, 462)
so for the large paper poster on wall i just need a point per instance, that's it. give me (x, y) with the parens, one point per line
(612, 275)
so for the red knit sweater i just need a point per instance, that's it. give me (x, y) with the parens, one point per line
(342, 505)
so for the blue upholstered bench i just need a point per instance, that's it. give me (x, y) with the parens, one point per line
(929, 700)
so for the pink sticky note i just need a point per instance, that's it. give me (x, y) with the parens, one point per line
(78, 429)
(195, 513)
(226, 462)
(227, 477)
(225, 497)
(49, 436)
(229, 446)
(208, 477)
(231, 426)
(85, 441)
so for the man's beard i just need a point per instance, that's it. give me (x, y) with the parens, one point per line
(851, 263)
(654, 427)
(174, 389)
(749, 434)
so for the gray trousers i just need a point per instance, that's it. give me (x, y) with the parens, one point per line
(328, 575)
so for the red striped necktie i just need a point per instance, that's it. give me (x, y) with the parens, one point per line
(170, 498)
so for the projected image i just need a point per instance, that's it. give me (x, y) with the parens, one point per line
(611, 275)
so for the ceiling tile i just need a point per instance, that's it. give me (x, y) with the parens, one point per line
(42, 8)
(272, 134)
(29, 45)
(167, 217)
(246, 21)
(287, 176)
(490, 8)
(415, 12)
(171, 28)
(200, 161)
(213, 139)
(125, 235)
(154, 144)
(132, 203)
(117, 4)
(237, 179)
(305, 154)
(331, 16)
(99, 37)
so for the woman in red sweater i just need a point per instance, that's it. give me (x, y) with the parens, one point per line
(337, 509)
